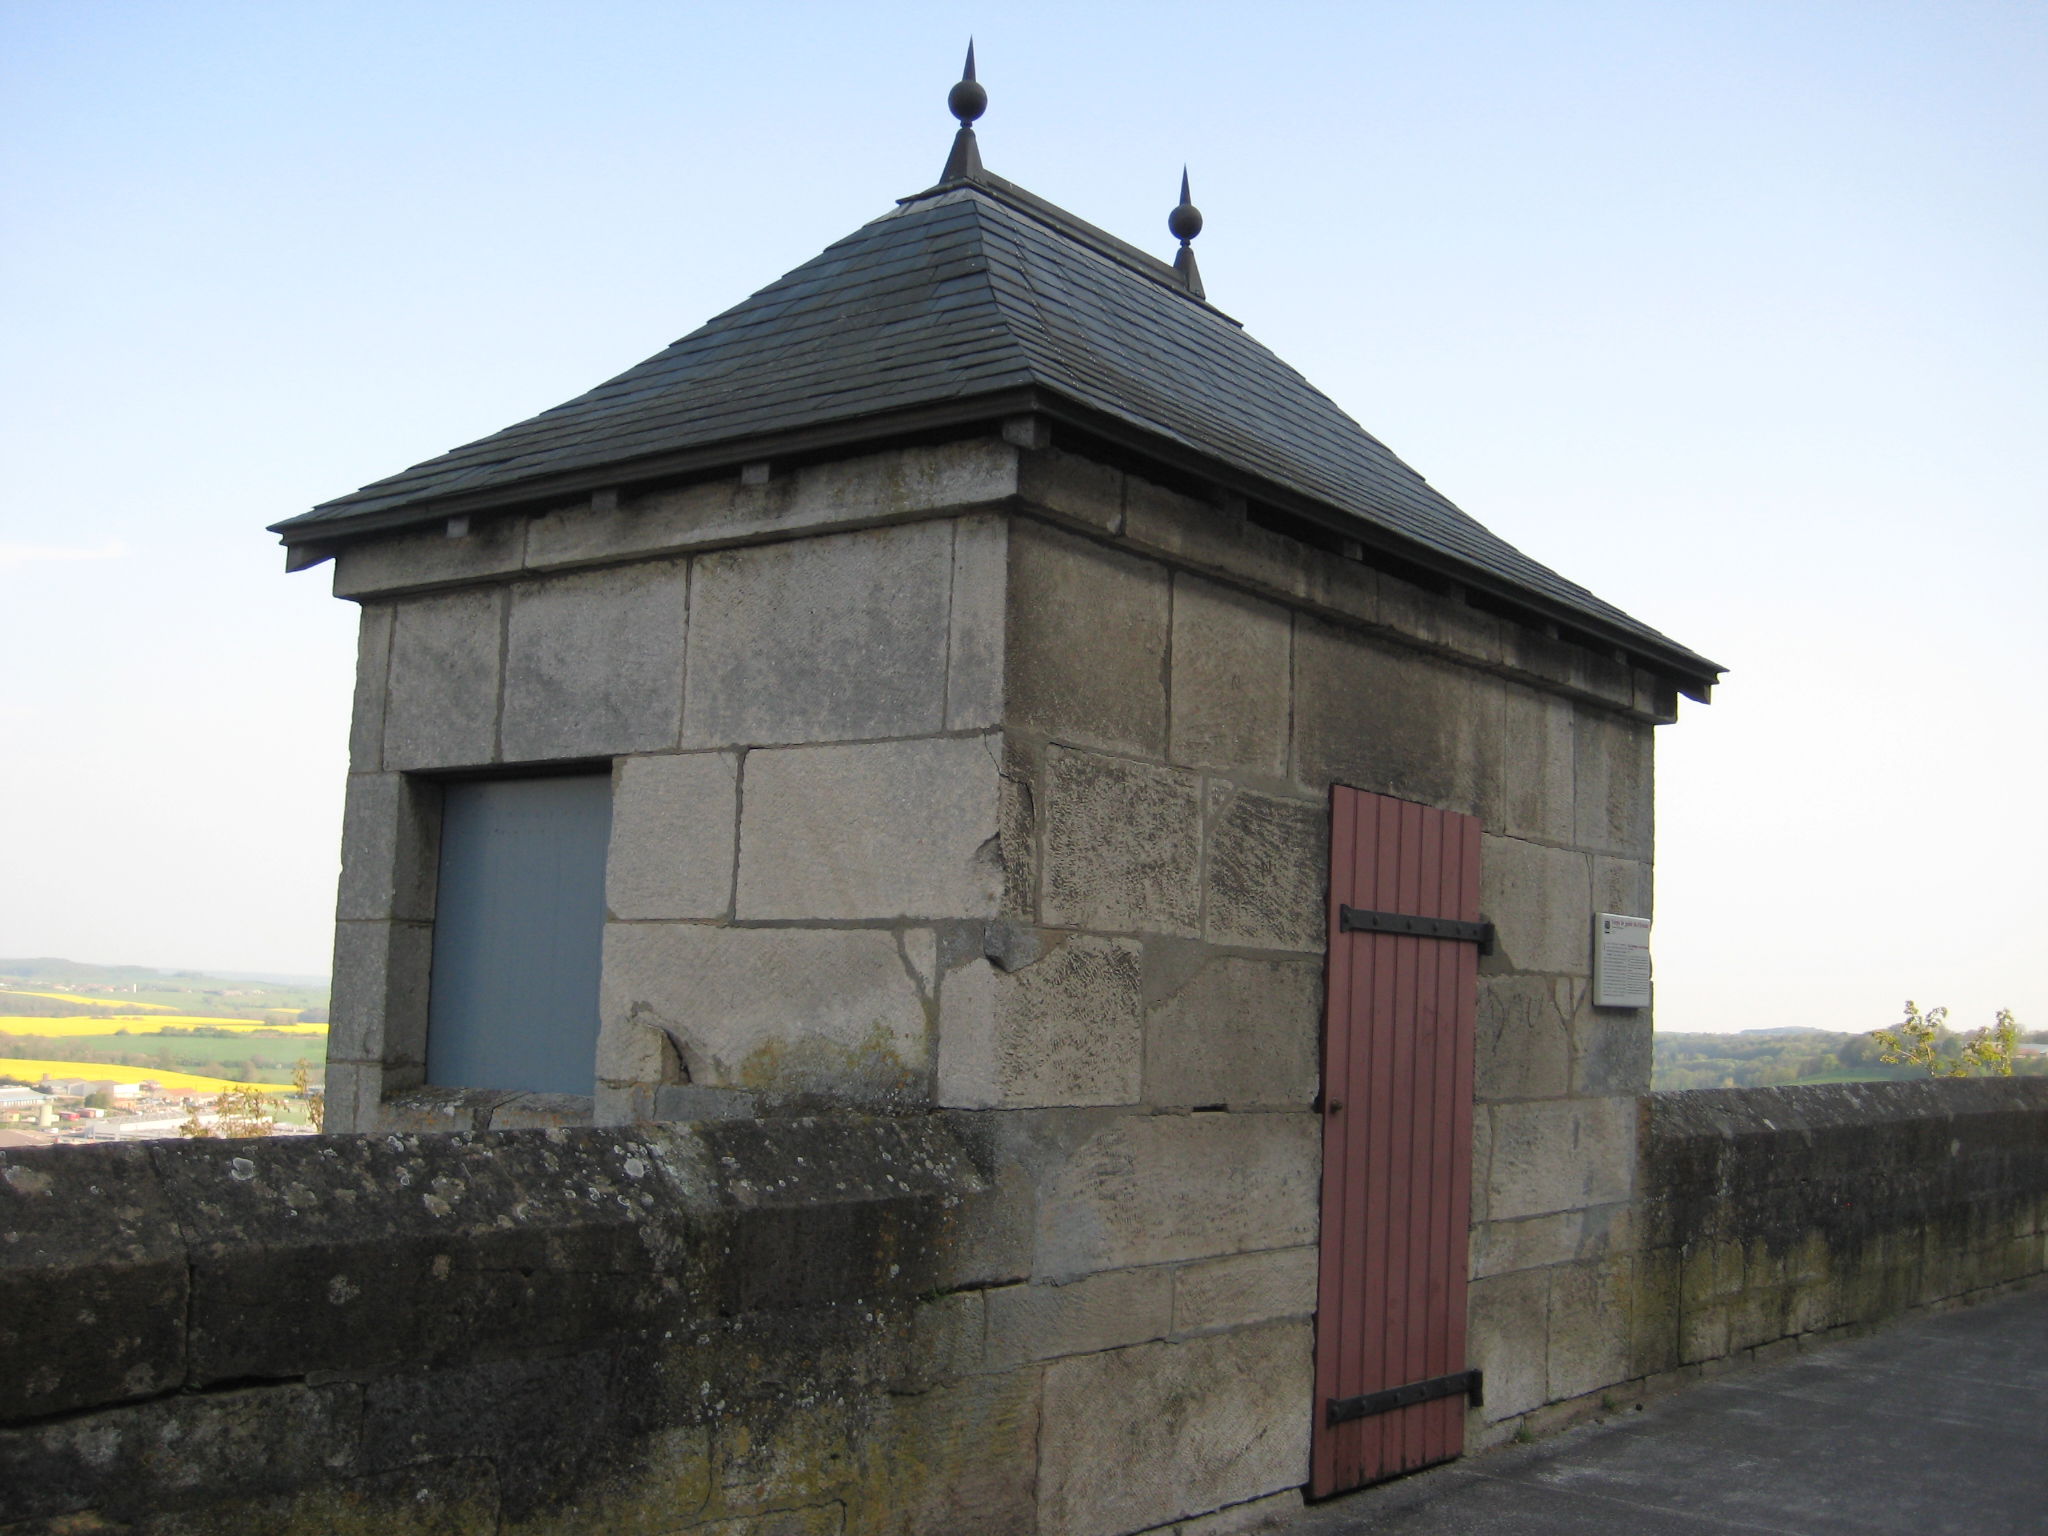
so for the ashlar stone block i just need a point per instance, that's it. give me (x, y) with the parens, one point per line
(594, 662)
(1538, 791)
(1157, 1189)
(1614, 763)
(836, 638)
(785, 1010)
(1122, 845)
(1067, 1029)
(1268, 870)
(878, 829)
(974, 653)
(441, 707)
(1231, 655)
(378, 1009)
(1591, 1325)
(1245, 1288)
(373, 665)
(1560, 1155)
(673, 834)
(1043, 1322)
(1612, 1051)
(1508, 1337)
(390, 848)
(1136, 1437)
(429, 557)
(1087, 642)
(1524, 1037)
(1385, 718)
(900, 485)
(1238, 1031)
(1540, 901)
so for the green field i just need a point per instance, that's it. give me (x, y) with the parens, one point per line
(38, 984)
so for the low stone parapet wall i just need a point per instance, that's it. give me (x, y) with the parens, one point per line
(1775, 1214)
(623, 1331)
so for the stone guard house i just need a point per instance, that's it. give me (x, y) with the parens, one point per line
(923, 692)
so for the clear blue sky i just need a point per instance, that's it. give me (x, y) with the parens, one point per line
(1735, 313)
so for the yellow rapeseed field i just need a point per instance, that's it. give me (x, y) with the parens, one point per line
(59, 1029)
(100, 1072)
(90, 1002)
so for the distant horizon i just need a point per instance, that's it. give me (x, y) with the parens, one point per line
(1735, 316)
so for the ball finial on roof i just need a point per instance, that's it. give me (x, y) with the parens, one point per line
(1184, 223)
(967, 101)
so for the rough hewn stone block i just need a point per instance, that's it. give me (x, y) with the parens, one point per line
(1065, 1029)
(1560, 1154)
(1387, 719)
(1540, 902)
(594, 662)
(1154, 1189)
(1267, 870)
(789, 1010)
(428, 557)
(378, 1007)
(1614, 761)
(827, 639)
(1508, 1337)
(1245, 1288)
(974, 654)
(1538, 794)
(373, 665)
(1524, 1044)
(1231, 658)
(1122, 845)
(1137, 1437)
(441, 708)
(1041, 1322)
(879, 829)
(1087, 642)
(673, 831)
(1235, 1031)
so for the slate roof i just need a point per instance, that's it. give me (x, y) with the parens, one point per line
(981, 293)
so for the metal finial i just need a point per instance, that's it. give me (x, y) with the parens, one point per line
(966, 101)
(1184, 223)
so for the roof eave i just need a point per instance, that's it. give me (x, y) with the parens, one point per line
(316, 536)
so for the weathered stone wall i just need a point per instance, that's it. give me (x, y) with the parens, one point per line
(714, 1330)
(1184, 687)
(1784, 1213)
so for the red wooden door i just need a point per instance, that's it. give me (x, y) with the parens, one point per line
(1391, 1382)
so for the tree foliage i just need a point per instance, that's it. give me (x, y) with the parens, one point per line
(1924, 1040)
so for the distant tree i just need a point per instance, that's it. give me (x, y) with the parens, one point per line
(100, 1099)
(1924, 1040)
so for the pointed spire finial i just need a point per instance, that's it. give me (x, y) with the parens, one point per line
(1184, 223)
(966, 101)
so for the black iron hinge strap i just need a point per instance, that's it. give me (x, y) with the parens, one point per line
(1359, 920)
(1466, 1384)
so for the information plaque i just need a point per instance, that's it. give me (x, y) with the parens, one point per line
(1621, 961)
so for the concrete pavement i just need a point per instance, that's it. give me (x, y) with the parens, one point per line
(1932, 1426)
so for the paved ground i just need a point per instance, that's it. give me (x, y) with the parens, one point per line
(1934, 1426)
